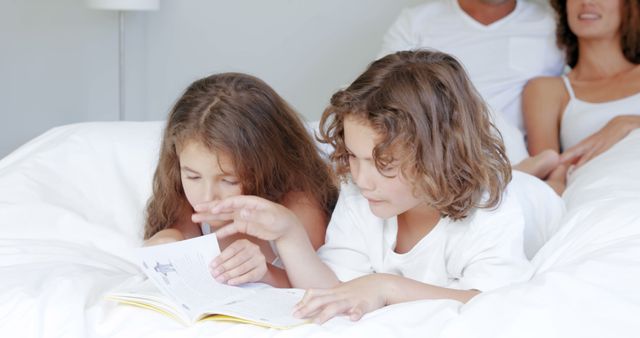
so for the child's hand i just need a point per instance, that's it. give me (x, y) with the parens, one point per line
(204, 215)
(241, 262)
(250, 215)
(353, 298)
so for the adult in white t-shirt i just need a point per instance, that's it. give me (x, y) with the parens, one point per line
(483, 251)
(501, 43)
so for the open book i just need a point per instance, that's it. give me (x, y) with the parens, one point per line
(181, 286)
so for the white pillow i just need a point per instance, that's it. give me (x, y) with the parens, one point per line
(87, 183)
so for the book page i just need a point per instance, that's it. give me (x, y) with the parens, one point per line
(271, 307)
(181, 270)
(145, 294)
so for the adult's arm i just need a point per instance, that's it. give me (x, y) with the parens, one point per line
(543, 100)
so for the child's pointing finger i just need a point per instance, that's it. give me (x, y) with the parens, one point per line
(209, 217)
(205, 206)
(227, 230)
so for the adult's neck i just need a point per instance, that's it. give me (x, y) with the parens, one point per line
(600, 59)
(487, 12)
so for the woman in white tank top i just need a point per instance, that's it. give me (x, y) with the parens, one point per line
(597, 103)
(582, 119)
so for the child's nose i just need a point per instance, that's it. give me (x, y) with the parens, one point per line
(211, 194)
(361, 178)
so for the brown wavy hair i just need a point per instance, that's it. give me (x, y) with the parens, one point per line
(430, 118)
(242, 116)
(629, 29)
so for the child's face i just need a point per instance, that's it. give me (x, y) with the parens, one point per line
(206, 175)
(387, 196)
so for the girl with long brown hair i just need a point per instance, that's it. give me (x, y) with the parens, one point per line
(430, 208)
(231, 134)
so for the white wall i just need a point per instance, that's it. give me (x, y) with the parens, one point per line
(56, 67)
(58, 59)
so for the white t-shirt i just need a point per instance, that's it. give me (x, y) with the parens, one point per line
(500, 58)
(484, 251)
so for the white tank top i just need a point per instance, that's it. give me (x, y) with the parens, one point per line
(581, 119)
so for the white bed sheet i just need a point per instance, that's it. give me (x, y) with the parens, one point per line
(71, 205)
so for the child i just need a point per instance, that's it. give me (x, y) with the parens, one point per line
(231, 134)
(433, 211)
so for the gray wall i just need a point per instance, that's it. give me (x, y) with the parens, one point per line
(59, 59)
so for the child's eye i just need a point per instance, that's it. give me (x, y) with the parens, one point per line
(229, 181)
(193, 178)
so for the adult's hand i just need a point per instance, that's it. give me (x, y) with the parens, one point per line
(614, 131)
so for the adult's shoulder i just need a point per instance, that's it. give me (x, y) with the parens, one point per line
(545, 86)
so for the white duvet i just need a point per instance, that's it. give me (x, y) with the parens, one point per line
(71, 210)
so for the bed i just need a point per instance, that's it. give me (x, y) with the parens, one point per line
(71, 212)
